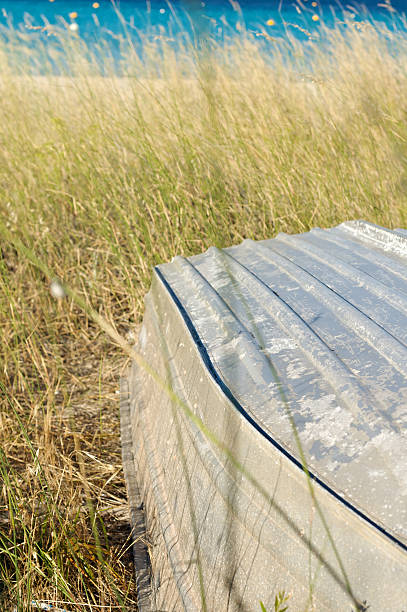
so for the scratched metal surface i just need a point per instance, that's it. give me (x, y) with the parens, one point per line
(309, 329)
(316, 323)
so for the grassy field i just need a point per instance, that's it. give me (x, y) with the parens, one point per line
(101, 179)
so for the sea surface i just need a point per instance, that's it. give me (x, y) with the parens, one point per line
(93, 21)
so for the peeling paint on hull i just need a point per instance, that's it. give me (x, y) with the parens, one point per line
(307, 330)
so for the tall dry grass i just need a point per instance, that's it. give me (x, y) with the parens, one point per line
(103, 178)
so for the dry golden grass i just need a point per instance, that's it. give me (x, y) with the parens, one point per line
(103, 178)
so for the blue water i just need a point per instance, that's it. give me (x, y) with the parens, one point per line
(149, 19)
(143, 13)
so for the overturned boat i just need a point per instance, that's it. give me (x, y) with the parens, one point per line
(267, 450)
